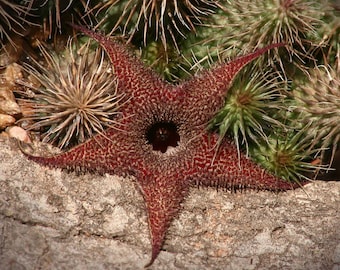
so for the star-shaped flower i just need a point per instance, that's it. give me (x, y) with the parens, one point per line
(164, 142)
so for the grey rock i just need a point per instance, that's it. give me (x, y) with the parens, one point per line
(50, 219)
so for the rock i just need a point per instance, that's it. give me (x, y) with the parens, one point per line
(18, 133)
(12, 73)
(6, 120)
(8, 104)
(50, 219)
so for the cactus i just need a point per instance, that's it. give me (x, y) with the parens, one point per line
(15, 18)
(73, 97)
(292, 86)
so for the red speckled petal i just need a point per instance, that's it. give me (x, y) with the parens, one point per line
(222, 167)
(163, 196)
(136, 79)
(208, 90)
(164, 178)
(103, 154)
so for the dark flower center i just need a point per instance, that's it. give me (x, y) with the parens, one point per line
(161, 135)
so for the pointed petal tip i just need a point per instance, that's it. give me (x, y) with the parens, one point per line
(78, 27)
(236, 65)
(155, 252)
(91, 33)
(156, 249)
(269, 47)
(258, 52)
(149, 263)
(51, 161)
(22, 147)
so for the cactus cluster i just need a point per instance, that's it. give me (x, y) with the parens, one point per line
(72, 95)
(14, 18)
(153, 20)
(284, 110)
(318, 100)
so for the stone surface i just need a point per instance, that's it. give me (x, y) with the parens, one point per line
(9, 108)
(8, 103)
(18, 133)
(6, 120)
(51, 219)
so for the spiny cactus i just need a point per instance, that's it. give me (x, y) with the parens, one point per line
(328, 35)
(318, 99)
(280, 94)
(287, 153)
(151, 20)
(252, 107)
(74, 95)
(52, 14)
(248, 24)
(14, 18)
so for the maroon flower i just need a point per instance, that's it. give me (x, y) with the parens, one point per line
(164, 142)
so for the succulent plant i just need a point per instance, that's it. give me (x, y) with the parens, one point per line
(287, 153)
(152, 20)
(318, 99)
(269, 103)
(74, 95)
(53, 15)
(327, 51)
(252, 108)
(14, 17)
(249, 24)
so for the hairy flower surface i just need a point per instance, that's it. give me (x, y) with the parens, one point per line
(163, 141)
